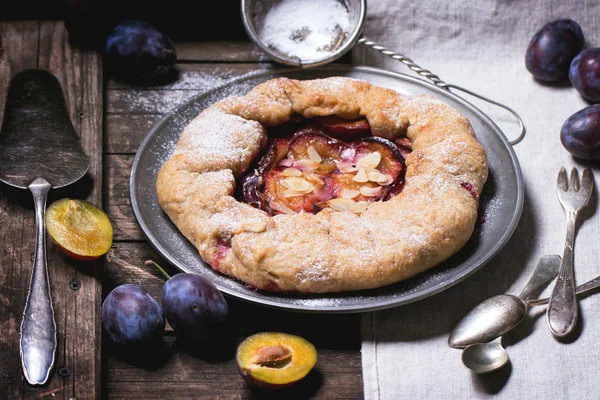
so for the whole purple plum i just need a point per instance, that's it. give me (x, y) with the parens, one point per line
(194, 307)
(580, 134)
(130, 316)
(137, 50)
(552, 48)
(585, 74)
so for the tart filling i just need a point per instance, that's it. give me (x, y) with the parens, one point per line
(308, 167)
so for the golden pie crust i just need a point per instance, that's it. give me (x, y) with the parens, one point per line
(331, 251)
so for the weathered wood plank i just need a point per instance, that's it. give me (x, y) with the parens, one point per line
(197, 76)
(219, 51)
(124, 132)
(139, 101)
(127, 99)
(20, 48)
(85, 323)
(174, 371)
(314, 386)
(76, 312)
(117, 203)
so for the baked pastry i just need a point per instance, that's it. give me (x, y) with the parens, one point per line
(330, 242)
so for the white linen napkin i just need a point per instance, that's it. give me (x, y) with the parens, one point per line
(481, 45)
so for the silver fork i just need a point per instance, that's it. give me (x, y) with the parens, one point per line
(562, 307)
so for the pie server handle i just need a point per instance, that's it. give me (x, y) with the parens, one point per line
(38, 329)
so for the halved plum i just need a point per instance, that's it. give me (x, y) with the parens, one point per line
(304, 171)
(296, 193)
(361, 171)
(324, 150)
(277, 150)
(275, 359)
(348, 129)
(342, 185)
(382, 165)
(79, 229)
(251, 190)
(404, 145)
(392, 162)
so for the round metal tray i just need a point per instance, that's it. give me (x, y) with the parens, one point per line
(501, 201)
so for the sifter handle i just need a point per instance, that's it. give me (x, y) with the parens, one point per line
(439, 82)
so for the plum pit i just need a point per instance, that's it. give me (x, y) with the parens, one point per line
(275, 359)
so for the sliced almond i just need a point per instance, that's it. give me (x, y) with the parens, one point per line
(346, 167)
(370, 191)
(291, 172)
(412, 120)
(292, 193)
(376, 176)
(313, 154)
(370, 160)
(280, 207)
(307, 165)
(313, 178)
(349, 194)
(297, 184)
(359, 207)
(361, 176)
(341, 204)
(388, 180)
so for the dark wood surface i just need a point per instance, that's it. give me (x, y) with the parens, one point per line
(112, 131)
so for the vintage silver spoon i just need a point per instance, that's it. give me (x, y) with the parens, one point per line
(482, 358)
(499, 314)
(505, 307)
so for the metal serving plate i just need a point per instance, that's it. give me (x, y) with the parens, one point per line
(501, 202)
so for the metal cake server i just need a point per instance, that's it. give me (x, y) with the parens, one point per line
(39, 150)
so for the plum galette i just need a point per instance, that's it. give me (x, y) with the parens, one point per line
(324, 185)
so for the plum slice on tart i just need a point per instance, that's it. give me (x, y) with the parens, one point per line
(307, 167)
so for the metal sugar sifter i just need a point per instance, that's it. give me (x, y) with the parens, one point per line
(357, 10)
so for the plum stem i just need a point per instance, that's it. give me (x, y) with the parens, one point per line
(151, 263)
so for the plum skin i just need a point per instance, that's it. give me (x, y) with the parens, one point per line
(580, 134)
(552, 48)
(137, 49)
(131, 316)
(585, 74)
(194, 307)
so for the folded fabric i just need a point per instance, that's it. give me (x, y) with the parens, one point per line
(481, 46)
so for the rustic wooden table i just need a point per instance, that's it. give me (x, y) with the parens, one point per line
(112, 119)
